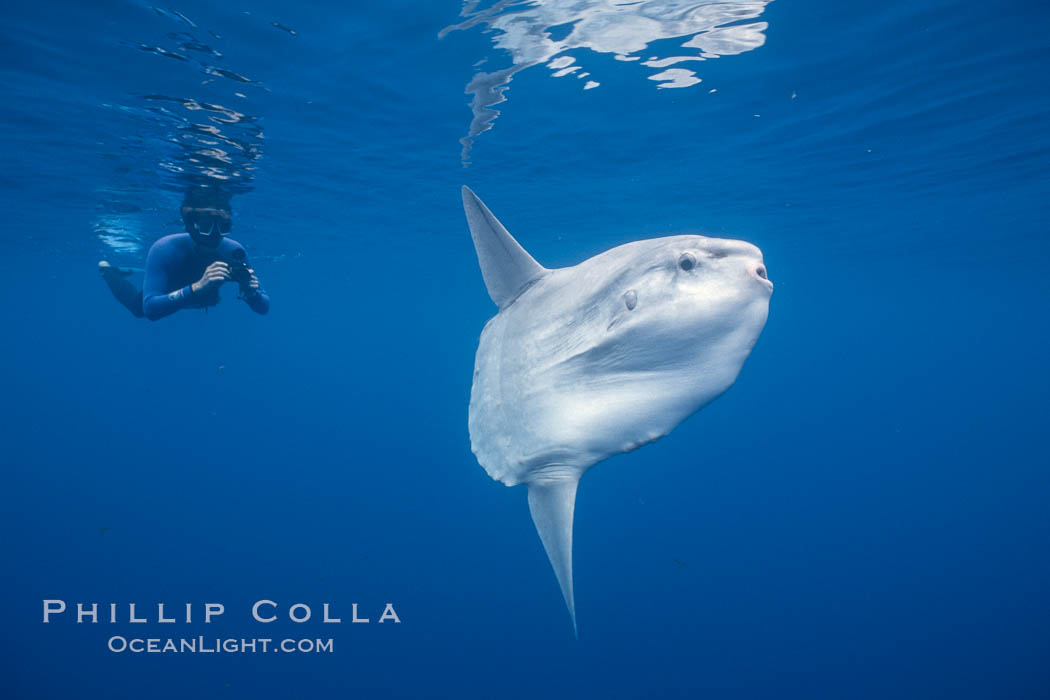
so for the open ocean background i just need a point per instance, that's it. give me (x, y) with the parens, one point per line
(863, 515)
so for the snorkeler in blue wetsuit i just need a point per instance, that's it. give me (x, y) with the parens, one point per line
(186, 270)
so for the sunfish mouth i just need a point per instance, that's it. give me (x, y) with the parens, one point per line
(760, 273)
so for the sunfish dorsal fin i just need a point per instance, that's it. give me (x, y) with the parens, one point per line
(506, 267)
(552, 504)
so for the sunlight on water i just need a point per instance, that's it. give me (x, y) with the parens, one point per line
(207, 137)
(122, 233)
(542, 31)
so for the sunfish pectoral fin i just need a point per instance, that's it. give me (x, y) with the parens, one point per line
(552, 503)
(506, 267)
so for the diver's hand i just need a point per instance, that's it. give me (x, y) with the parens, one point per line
(217, 273)
(250, 290)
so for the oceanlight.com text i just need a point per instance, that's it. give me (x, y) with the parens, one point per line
(217, 645)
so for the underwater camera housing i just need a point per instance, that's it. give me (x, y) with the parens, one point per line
(239, 270)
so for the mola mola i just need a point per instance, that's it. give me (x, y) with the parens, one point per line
(582, 363)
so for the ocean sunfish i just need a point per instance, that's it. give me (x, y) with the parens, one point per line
(582, 363)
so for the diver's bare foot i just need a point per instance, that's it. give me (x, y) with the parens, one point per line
(107, 270)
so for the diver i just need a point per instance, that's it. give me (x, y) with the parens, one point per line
(186, 270)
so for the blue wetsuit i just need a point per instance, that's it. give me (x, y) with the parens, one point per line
(176, 262)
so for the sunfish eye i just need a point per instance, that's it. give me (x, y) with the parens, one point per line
(687, 261)
(630, 298)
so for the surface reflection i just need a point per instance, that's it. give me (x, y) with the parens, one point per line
(544, 31)
(212, 137)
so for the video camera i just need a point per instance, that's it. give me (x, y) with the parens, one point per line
(240, 272)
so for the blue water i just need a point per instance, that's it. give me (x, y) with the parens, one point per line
(863, 515)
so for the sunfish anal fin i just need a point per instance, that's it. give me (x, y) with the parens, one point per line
(506, 267)
(552, 503)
